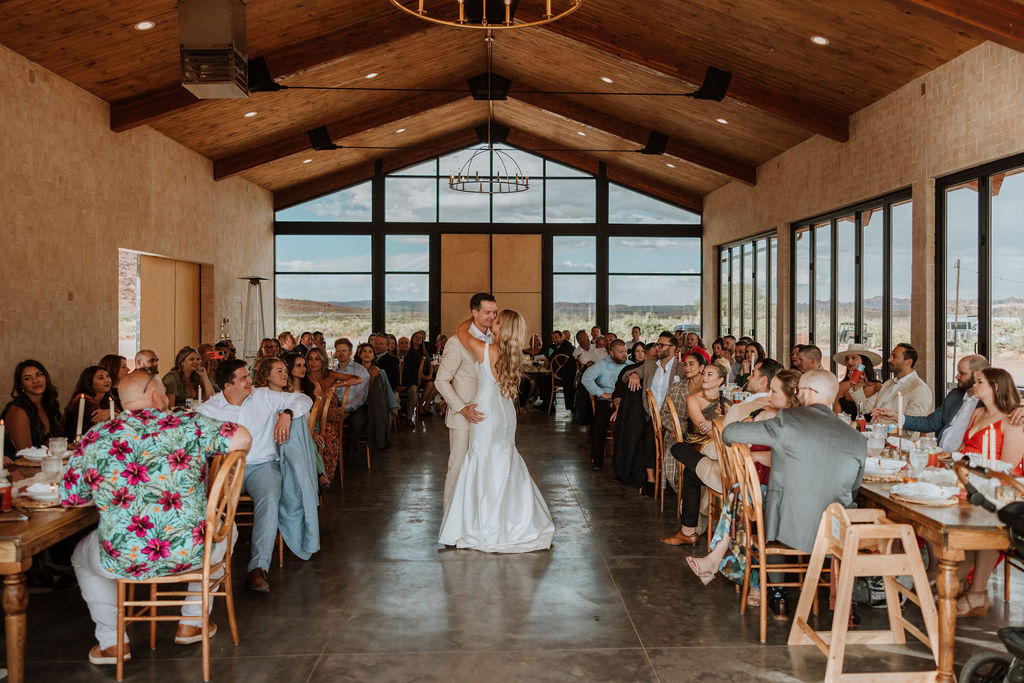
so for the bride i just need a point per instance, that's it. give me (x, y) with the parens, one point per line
(496, 507)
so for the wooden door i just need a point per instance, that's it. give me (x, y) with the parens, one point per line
(168, 307)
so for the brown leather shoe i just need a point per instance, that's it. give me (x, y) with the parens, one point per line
(679, 538)
(108, 656)
(187, 634)
(257, 581)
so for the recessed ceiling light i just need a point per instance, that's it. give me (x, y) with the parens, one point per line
(721, 120)
(144, 25)
(400, 130)
(250, 114)
(580, 132)
(606, 79)
(819, 40)
(306, 161)
(372, 74)
(670, 165)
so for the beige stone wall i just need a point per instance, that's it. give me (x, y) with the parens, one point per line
(965, 113)
(73, 192)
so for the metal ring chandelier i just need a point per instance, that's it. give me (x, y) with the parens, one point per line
(507, 177)
(477, 15)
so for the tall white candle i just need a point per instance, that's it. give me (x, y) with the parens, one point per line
(992, 454)
(111, 408)
(81, 416)
(2, 434)
(199, 387)
(984, 444)
(899, 410)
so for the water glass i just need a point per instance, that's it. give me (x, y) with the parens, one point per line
(51, 466)
(918, 460)
(58, 446)
(876, 444)
(192, 403)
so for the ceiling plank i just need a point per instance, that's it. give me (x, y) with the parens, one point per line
(632, 132)
(808, 115)
(292, 61)
(380, 115)
(1001, 21)
(317, 187)
(631, 179)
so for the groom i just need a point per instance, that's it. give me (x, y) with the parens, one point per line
(456, 382)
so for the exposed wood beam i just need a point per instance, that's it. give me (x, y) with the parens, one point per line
(1001, 21)
(632, 132)
(632, 179)
(293, 60)
(331, 182)
(808, 115)
(379, 115)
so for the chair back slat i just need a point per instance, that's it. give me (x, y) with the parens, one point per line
(557, 363)
(724, 461)
(222, 500)
(652, 405)
(314, 411)
(677, 430)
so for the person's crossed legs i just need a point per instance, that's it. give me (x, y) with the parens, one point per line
(263, 483)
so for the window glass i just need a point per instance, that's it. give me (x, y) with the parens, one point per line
(323, 253)
(1007, 324)
(574, 302)
(723, 291)
(654, 303)
(902, 271)
(747, 324)
(518, 161)
(962, 259)
(773, 293)
(348, 205)
(761, 292)
(802, 288)
(570, 201)
(823, 290)
(872, 265)
(521, 207)
(654, 254)
(630, 206)
(735, 323)
(846, 286)
(574, 254)
(410, 200)
(406, 303)
(407, 252)
(337, 305)
(462, 207)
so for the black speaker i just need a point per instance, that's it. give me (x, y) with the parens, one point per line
(498, 90)
(714, 87)
(320, 139)
(656, 143)
(259, 77)
(499, 133)
(495, 11)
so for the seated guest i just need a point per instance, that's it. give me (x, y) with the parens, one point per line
(386, 360)
(718, 349)
(93, 384)
(917, 396)
(298, 376)
(693, 375)
(857, 355)
(566, 376)
(628, 457)
(599, 380)
(816, 460)
(33, 416)
(949, 423)
(754, 355)
(300, 466)
(759, 385)
(692, 343)
(268, 349)
(794, 357)
(411, 370)
(186, 378)
(355, 405)
(147, 360)
(809, 358)
(595, 334)
(326, 381)
(997, 397)
(149, 485)
(739, 355)
(439, 344)
(658, 372)
(634, 341)
(702, 409)
(211, 356)
(286, 340)
(729, 349)
(586, 354)
(268, 416)
(227, 349)
(117, 369)
(305, 343)
(319, 341)
(380, 401)
(723, 555)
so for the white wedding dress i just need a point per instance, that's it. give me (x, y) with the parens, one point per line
(495, 507)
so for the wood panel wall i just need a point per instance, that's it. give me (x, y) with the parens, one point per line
(508, 266)
(169, 306)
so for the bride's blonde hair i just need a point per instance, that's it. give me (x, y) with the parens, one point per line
(508, 367)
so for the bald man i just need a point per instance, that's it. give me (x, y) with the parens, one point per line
(148, 361)
(817, 460)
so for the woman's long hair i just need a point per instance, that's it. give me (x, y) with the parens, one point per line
(112, 364)
(790, 381)
(325, 368)
(51, 406)
(179, 360)
(1004, 391)
(261, 373)
(306, 385)
(508, 367)
(84, 385)
(869, 372)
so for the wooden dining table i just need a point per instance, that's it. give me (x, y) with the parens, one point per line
(951, 531)
(19, 542)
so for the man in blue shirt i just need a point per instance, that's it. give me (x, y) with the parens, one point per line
(355, 403)
(599, 380)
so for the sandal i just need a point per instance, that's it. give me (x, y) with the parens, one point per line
(965, 608)
(753, 598)
(325, 483)
(705, 577)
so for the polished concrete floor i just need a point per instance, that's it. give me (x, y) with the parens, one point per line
(383, 602)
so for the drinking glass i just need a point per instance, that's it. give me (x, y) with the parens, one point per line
(58, 446)
(192, 403)
(918, 460)
(51, 466)
(875, 446)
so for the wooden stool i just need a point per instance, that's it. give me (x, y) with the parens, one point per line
(863, 541)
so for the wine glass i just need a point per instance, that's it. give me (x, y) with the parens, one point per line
(58, 446)
(51, 466)
(918, 460)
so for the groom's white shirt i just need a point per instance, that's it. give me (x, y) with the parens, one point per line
(456, 377)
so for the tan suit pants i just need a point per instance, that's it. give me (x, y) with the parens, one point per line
(458, 440)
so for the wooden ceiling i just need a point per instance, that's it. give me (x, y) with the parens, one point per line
(784, 89)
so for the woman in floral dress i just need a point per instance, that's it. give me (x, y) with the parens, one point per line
(326, 381)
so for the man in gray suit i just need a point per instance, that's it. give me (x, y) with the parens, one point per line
(817, 460)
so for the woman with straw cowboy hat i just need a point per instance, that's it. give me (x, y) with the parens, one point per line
(860, 362)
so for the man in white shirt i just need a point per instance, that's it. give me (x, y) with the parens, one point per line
(584, 353)
(760, 377)
(917, 396)
(356, 415)
(268, 417)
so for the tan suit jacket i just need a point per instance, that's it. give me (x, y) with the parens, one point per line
(647, 372)
(456, 381)
(917, 397)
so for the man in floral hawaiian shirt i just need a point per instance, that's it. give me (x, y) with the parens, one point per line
(146, 472)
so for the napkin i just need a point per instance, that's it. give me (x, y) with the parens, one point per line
(939, 477)
(901, 444)
(32, 453)
(924, 490)
(883, 465)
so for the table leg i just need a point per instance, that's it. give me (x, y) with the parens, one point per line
(15, 601)
(948, 584)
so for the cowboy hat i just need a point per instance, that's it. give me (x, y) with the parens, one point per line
(860, 350)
